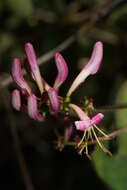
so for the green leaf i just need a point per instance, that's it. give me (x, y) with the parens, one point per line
(113, 170)
(121, 118)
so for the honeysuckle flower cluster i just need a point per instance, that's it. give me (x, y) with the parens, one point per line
(49, 101)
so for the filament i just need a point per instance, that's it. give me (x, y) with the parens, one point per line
(101, 145)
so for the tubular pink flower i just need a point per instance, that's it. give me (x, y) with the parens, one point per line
(90, 69)
(88, 126)
(53, 96)
(27, 67)
(32, 108)
(16, 100)
(82, 115)
(82, 125)
(18, 77)
(31, 56)
(62, 70)
(85, 122)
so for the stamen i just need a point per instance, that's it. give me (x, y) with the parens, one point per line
(83, 146)
(86, 152)
(101, 131)
(80, 142)
(101, 145)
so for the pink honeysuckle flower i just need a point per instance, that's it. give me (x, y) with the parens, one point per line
(18, 77)
(31, 56)
(26, 91)
(85, 122)
(53, 96)
(87, 125)
(16, 100)
(62, 70)
(32, 67)
(28, 68)
(60, 78)
(90, 68)
(32, 107)
(34, 70)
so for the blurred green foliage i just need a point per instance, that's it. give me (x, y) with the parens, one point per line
(21, 8)
(46, 23)
(121, 118)
(113, 170)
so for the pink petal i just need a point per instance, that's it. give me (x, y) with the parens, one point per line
(16, 100)
(62, 70)
(90, 69)
(53, 96)
(81, 114)
(18, 77)
(96, 58)
(82, 125)
(27, 67)
(31, 56)
(32, 107)
(97, 119)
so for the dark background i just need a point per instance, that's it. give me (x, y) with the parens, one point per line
(28, 158)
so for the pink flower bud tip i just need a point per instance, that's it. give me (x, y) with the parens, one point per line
(62, 70)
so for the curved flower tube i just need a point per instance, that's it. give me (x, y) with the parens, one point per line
(53, 97)
(32, 108)
(62, 70)
(81, 114)
(16, 100)
(18, 77)
(32, 60)
(90, 69)
(28, 68)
